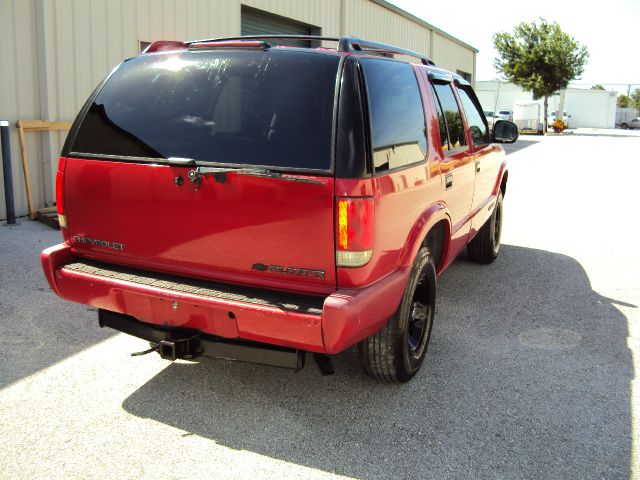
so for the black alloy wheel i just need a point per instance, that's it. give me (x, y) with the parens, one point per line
(419, 321)
(396, 353)
(485, 246)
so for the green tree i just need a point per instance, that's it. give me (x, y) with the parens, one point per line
(635, 99)
(541, 58)
(623, 101)
(598, 87)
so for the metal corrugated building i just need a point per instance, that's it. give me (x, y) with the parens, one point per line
(55, 52)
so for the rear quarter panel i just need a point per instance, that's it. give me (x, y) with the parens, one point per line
(403, 208)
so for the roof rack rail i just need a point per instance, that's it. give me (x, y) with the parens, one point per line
(345, 44)
(354, 44)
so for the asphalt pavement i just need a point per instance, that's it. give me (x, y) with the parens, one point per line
(530, 371)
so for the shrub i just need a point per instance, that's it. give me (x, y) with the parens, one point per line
(558, 126)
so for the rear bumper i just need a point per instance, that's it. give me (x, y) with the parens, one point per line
(346, 317)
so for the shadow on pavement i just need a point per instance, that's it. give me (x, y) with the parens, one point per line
(528, 376)
(519, 144)
(37, 329)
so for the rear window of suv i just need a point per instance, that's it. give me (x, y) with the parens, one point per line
(272, 109)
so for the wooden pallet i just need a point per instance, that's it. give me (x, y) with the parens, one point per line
(49, 216)
(35, 126)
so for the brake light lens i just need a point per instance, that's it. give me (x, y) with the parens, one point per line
(230, 44)
(354, 231)
(165, 46)
(59, 178)
(62, 219)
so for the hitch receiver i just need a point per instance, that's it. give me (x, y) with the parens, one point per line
(175, 343)
(167, 350)
(186, 348)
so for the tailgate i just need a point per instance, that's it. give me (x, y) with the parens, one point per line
(248, 229)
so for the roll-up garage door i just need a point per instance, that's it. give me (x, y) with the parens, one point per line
(257, 22)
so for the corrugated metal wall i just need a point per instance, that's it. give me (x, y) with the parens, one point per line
(371, 21)
(19, 93)
(452, 56)
(56, 51)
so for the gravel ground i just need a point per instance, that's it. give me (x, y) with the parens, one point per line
(530, 372)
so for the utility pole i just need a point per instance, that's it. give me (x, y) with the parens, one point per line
(560, 111)
(7, 173)
(495, 105)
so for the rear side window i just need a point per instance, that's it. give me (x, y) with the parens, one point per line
(270, 108)
(455, 138)
(398, 135)
(478, 126)
(442, 124)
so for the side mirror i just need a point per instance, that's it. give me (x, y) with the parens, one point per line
(504, 132)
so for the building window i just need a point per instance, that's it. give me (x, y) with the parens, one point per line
(465, 75)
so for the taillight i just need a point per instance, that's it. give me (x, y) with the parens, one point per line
(62, 163)
(354, 231)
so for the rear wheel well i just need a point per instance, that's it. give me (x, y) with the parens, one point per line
(503, 184)
(435, 241)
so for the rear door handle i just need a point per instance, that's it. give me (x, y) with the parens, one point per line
(478, 167)
(448, 181)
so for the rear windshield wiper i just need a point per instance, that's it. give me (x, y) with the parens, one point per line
(220, 174)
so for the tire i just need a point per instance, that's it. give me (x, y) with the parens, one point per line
(485, 245)
(624, 126)
(395, 353)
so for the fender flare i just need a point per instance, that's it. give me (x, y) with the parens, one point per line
(432, 215)
(503, 171)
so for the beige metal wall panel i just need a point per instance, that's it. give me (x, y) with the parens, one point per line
(19, 97)
(452, 56)
(91, 37)
(369, 20)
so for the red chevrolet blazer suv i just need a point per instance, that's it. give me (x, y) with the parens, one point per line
(237, 199)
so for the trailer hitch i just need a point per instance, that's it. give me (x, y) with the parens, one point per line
(175, 343)
(186, 348)
(173, 349)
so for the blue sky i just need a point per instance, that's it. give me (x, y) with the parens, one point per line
(610, 30)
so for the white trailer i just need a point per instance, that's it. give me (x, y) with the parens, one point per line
(527, 116)
(624, 115)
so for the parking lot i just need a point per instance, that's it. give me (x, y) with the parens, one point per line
(530, 372)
